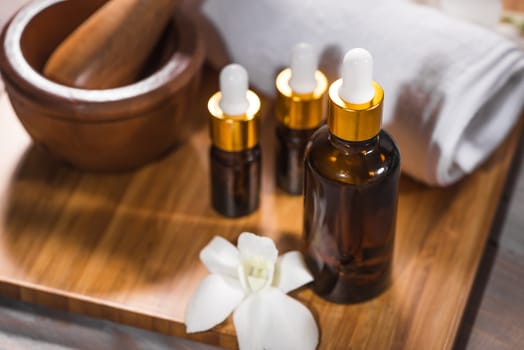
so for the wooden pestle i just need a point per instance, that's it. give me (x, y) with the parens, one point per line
(110, 48)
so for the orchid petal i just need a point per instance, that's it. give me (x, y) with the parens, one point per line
(221, 257)
(249, 318)
(291, 272)
(211, 303)
(251, 245)
(287, 316)
(272, 320)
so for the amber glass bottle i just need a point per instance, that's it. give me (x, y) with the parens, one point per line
(300, 111)
(352, 171)
(289, 158)
(235, 156)
(235, 180)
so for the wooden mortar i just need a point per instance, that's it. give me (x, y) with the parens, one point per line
(102, 130)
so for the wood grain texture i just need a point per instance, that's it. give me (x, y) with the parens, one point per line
(125, 247)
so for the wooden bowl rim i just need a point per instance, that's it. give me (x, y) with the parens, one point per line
(174, 75)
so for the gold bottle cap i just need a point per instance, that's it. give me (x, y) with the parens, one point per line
(234, 132)
(300, 111)
(354, 122)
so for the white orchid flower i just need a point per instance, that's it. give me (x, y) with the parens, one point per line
(252, 281)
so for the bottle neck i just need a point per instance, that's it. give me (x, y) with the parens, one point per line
(354, 146)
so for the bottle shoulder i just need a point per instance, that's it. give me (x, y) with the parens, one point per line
(249, 155)
(353, 163)
(290, 135)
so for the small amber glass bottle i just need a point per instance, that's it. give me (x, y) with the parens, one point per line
(235, 156)
(352, 170)
(300, 110)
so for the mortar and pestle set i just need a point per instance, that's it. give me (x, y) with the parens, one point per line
(102, 85)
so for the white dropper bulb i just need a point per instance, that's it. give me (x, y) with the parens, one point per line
(303, 68)
(233, 82)
(357, 77)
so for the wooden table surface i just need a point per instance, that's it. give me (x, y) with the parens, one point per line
(125, 247)
(54, 220)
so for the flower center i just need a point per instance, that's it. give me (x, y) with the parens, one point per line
(256, 273)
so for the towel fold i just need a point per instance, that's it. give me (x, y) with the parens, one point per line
(453, 90)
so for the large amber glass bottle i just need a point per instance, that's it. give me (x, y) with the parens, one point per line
(352, 171)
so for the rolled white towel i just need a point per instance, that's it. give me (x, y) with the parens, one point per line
(453, 90)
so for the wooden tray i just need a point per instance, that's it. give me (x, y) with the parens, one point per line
(125, 247)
